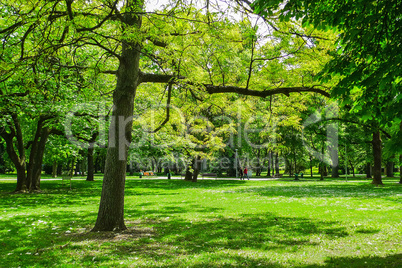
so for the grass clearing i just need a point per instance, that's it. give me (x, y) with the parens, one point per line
(212, 223)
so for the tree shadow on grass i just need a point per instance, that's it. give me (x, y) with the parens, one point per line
(394, 260)
(224, 240)
(159, 240)
(321, 190)
(182, 184)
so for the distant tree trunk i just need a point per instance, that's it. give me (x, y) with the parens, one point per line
(335, 163)
(377, 150)
(325, 170)
(400, 167)
(174, 169)
(196, 168)
(71, 167)
(131, 168)
(91, 166)
(311, 166)
(258, 167)
(390, 169)
(189, 173)
(54, 169)
(322, 165)
(77, 169)
(276, 164)
(321, 168)
(368, 164)
(400, 160)
(90, 157)
(288, 167)
(353, 168)
(195, 174)
(153, 164)
(333, 137)
(368, 170)
(2, 161)
(269, 164)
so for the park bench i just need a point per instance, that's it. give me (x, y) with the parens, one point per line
(66, 178)
(209, 175)
(148, 173)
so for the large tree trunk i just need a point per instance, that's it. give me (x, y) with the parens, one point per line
(20, 166)
(377, 158)
(111, 208)
(18, 159)
(36, 156)
(335, 163)
(37, 168)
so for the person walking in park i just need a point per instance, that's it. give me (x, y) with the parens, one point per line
(241, 174)
(246, 173)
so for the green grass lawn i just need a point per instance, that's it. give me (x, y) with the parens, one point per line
(212, 223)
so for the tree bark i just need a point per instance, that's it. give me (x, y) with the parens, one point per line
(2, 162)
(390, 169)
(18, 159)
(276, 164)
(111, 208)
(91, 166)
(189, 174)
(269, 164)
(197, 168)
(335, 163)
(368, 163)
(352, 167)
(400, 168)
(54, 169)
(311, 166)
(36, 156)
(377, 151)
(368, 170)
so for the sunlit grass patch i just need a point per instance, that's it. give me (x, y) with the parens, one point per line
(215, 223)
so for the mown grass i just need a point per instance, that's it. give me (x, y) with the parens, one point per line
(212, 223)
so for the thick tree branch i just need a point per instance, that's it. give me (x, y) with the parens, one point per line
(11, 28)
(211, 89)
(157, 78)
